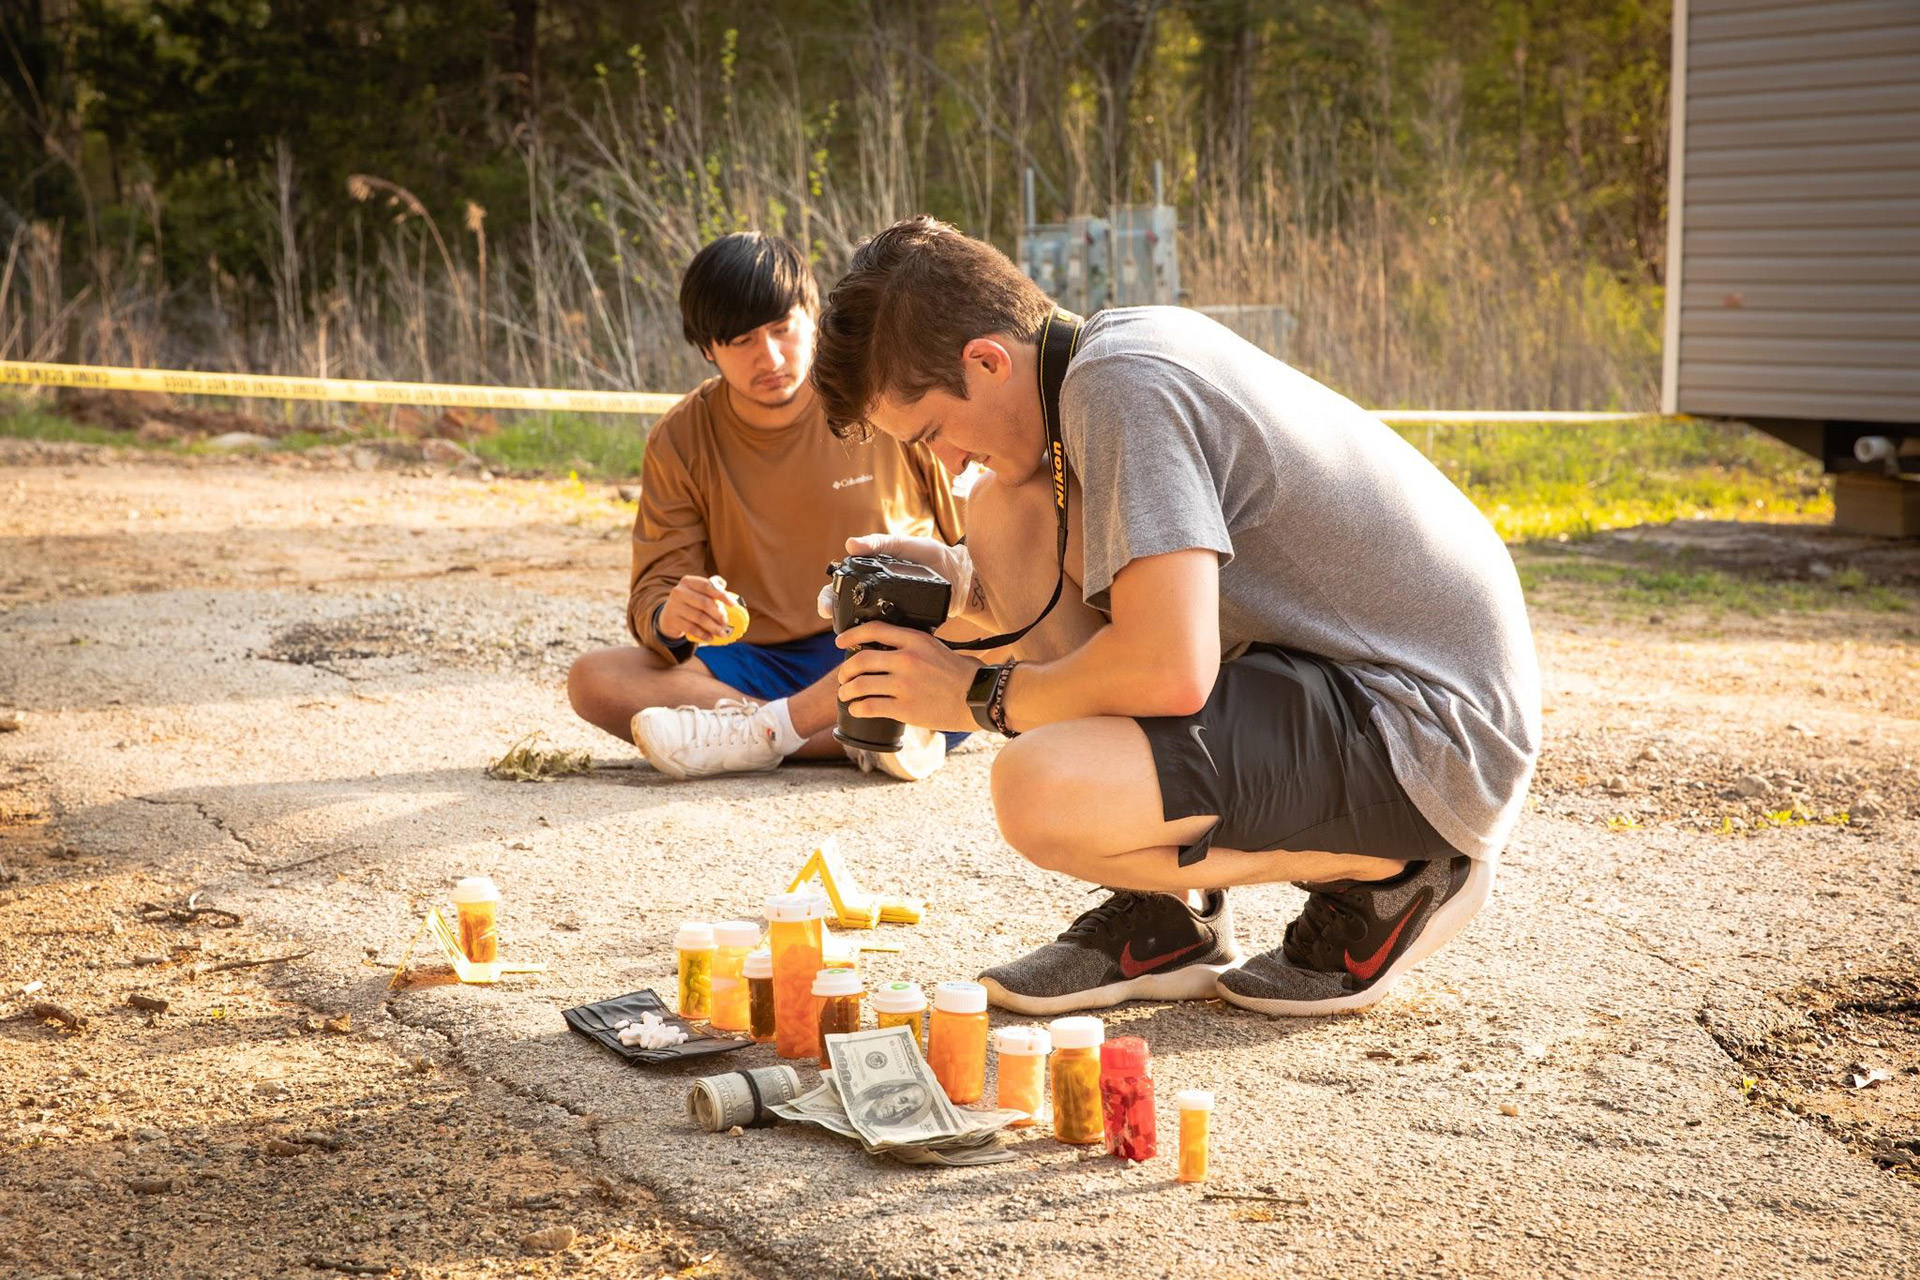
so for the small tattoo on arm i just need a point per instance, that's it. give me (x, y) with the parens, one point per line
(976, 595)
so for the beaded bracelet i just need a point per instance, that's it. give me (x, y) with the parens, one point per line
(997, 700)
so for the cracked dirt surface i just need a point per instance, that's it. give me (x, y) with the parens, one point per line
(268, 689)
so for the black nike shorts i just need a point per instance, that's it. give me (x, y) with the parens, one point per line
(1287, 754)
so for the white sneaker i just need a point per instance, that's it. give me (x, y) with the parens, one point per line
(920, 756)
(687, 742)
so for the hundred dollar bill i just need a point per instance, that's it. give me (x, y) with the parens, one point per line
(888, 1090)
(819, 1106)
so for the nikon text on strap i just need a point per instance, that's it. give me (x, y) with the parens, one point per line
(1059, 339)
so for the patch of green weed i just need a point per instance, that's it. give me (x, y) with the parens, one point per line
(604, 446)
(1643, 587)
(1564, 480)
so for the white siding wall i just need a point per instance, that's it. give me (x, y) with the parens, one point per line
(1796, 209)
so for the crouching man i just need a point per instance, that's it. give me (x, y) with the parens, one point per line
(1287, 648)
(744, 491)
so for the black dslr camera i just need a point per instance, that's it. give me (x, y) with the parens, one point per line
(880, 588)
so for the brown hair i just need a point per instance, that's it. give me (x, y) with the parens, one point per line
(913, 297)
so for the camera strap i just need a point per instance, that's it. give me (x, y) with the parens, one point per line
(1059, 339)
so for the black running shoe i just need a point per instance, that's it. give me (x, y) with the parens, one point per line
(1133, 946)
(1356, 938)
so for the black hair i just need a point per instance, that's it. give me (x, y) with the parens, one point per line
(740, 282)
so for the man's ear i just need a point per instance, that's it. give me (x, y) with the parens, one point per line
(991, 356)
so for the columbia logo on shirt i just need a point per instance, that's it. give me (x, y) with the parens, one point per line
(851, 481)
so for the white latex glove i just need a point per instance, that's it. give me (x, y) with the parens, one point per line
(955, 564)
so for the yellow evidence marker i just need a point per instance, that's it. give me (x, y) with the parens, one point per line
(436, 927)
(737, 619)
(853, 907)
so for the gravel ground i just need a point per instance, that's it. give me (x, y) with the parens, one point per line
(277, 687)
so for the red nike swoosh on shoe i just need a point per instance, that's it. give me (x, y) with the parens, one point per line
(1134, 968)
(1365, 969)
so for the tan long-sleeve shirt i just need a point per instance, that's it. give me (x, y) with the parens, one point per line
(769, 509)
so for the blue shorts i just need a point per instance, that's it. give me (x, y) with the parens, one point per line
(765, 672)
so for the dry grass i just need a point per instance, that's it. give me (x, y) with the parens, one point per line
(1455, 292)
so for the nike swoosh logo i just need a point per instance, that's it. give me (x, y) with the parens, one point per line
(1134, 968)
(1195, 730)
(1365, 969)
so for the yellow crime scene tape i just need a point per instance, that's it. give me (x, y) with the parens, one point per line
(268, 386)
(187, 382)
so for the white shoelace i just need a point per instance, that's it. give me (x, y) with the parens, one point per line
(729, 724)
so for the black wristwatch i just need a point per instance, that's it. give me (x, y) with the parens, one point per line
(986, 697)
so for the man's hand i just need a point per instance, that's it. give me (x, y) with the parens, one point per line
(696, 610)
(917, 681)
(955, 564)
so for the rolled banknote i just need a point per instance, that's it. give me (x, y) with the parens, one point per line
(743, 1098)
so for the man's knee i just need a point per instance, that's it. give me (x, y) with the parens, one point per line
(1001, 519)
(1025, 803)
(586, 679)
(602, 676)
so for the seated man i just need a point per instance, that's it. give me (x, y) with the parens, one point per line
(1287, 648)
(744, 490)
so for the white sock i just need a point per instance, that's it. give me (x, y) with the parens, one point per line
(786, 739)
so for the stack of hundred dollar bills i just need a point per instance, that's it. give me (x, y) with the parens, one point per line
(881, 1093)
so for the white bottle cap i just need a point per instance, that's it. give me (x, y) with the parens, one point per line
(836, 982)
(898, 997)
(960, 997)
(1077, 1033)
(1193, 1100)
(758, 964)
(476, 889)
(1023, 1042)
(694, 936)
(737, 933)
(797, 906)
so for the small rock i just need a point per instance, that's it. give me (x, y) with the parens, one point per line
(1618, 785)
(1867, 808)
(447, 453)
(548, 1240)
(238, 442)
(1509, 1109)
(341, 1025)
(272, 1089)
(1656, 618)
(1794, 726)
(325, 1142)
(629, 493)
(281, 1147)
(147, 1133)
(1753, 787)
(10, 721)
(736, 1132)
(151, 1186)
(1650, 754)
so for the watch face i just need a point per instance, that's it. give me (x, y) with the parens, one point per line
(982, 685)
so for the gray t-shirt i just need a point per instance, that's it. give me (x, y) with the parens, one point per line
(1335, 537)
